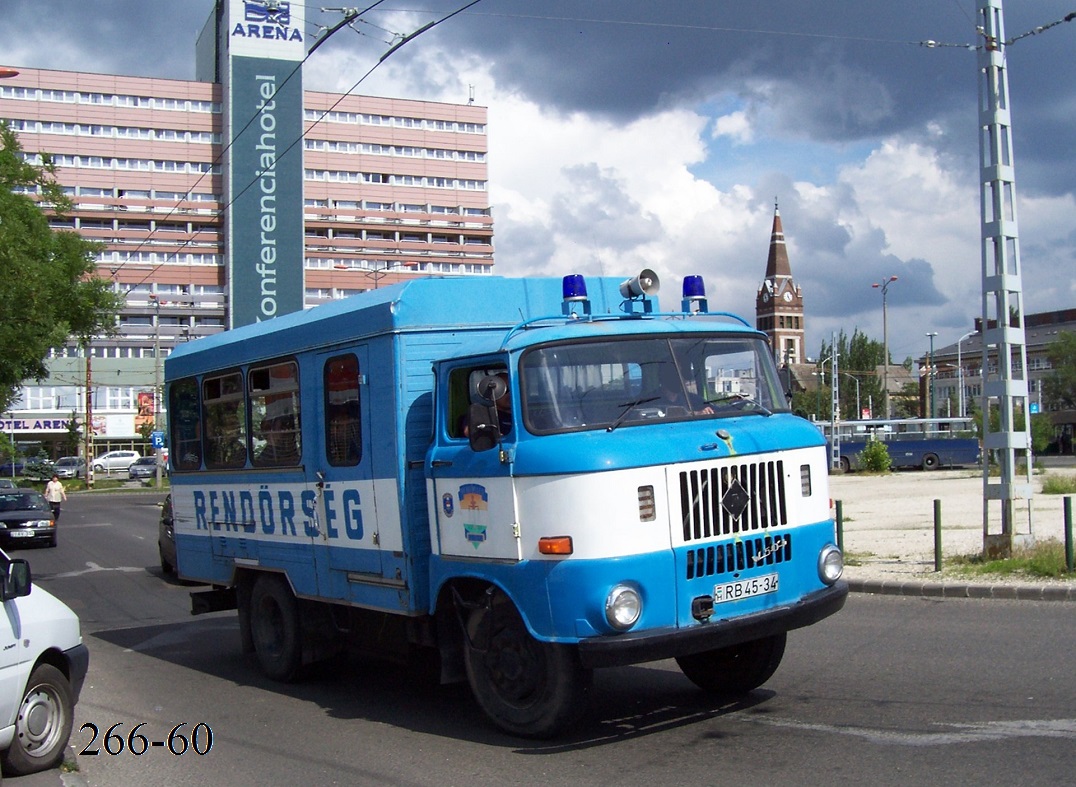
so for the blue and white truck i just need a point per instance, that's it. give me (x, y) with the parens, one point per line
(529, 479)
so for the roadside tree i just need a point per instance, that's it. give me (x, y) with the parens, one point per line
(49, 291)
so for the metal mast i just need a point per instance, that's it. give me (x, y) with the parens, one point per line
(1004, 360)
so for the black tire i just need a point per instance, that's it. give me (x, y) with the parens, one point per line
(52, 541)
(98, 468)
(931, 462)
(846, 465)
(527, 688)
(43, 724)
(735, 671)
(166, 567)
(275, 628)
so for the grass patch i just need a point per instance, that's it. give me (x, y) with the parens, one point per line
(1054, 484)
(1044, 560)
(857, 558)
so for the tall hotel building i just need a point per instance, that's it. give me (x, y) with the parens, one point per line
(234, 198)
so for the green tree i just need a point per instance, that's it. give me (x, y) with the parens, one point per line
(48, 291)
(73, 437)
(1059, 386)
(857, 361)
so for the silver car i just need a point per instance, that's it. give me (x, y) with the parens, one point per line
(115, 460)
(69, 467)
(145, 467)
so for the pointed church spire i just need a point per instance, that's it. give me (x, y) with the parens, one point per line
(777, 263)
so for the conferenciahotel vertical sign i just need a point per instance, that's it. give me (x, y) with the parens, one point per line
(265, 43)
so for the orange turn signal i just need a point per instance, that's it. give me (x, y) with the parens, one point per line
(555, 545)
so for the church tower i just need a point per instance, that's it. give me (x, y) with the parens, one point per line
(779, 304)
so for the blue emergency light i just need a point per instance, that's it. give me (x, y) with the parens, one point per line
(574, 290)
(694, 294)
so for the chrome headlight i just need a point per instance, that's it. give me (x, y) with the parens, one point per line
(830, 564)
(623, 606)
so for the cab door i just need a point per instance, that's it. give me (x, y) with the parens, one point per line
(473, 490)
(348, 545)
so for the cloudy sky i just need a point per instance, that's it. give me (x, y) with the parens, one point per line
(658, 133)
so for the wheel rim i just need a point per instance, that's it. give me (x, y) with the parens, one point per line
(269, 628)
(515, 670)
(41, 719)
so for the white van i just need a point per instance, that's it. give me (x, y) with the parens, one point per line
(43, 665)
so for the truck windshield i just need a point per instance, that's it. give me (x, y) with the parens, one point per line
(622, 382)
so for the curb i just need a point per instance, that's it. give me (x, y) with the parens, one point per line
(924, 589)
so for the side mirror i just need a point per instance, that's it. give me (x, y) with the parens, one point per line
(491, 388)
(482, 430)
(17, 581)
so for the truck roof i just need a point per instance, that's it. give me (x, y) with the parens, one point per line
(478, 303)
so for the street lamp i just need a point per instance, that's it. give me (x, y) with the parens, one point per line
(960, 371)
(930, 370)
(884, 287)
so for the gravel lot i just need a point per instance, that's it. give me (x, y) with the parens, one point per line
(889, 519)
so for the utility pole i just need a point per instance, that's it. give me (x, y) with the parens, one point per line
(1005, 389)
(835, 410)
(884, 287)
(930, 376)
(88, 426)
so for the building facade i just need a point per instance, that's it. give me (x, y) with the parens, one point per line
(958, 381)
(387, 189)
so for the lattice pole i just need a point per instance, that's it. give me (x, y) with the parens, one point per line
(1004, 361)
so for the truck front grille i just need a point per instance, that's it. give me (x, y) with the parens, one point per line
(739, 555)
(732, 498)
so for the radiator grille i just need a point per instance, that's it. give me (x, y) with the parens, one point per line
(740, 555)
(732, 498)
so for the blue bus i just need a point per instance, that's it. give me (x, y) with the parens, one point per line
(531, 478)
(926, 443)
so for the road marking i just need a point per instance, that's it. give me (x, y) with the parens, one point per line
(93, 568)
(959, 733)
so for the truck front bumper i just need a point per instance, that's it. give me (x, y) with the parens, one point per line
(634, 648)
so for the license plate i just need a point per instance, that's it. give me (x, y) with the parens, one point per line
(21, 533)
(745, 588)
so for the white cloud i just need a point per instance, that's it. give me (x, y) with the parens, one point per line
(735, 126)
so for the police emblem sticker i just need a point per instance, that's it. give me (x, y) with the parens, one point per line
(448, 505)
(474, 508)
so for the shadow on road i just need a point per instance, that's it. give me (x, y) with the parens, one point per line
(626, 703)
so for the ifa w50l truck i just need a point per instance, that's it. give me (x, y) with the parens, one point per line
(530, 478)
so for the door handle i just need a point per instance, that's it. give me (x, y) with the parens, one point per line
(440, 463)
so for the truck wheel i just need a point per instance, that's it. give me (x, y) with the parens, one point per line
(930, 462)
(734, 671)
(275, 628)
(528, 688)
(846, 465)
(43, 724)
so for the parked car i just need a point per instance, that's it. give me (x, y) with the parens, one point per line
(166, 539)
(43, 664)
(7, 483)
(25, 517)
(115, 460)
(143, 467)
(10, 469)
(70, 467)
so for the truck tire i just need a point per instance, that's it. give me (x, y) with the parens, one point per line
(275, 628)
(736, 670)
(527, 688)
(43, 724)
(930, 462)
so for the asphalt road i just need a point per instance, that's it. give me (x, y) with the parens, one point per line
(891, 691)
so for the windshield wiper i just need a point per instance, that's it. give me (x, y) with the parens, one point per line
(741, 399)
(628, 407)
